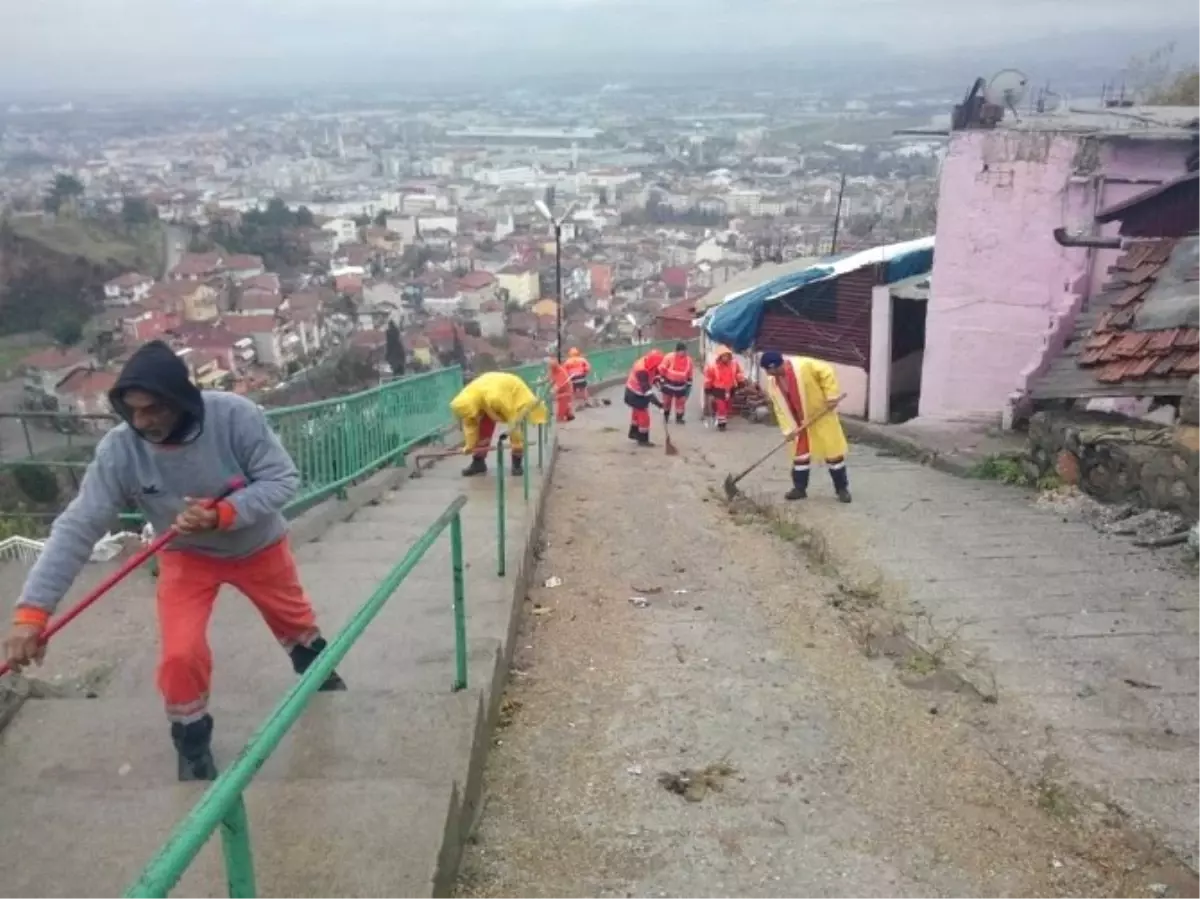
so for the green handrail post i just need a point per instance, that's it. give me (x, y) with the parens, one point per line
(501, 511)
(220, 803)
(525, 466)
(235, 844)
(460, 602)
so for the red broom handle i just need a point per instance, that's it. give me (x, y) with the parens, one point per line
(128, 567)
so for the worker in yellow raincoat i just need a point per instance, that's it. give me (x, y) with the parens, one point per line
(800, 389)
(495, 397)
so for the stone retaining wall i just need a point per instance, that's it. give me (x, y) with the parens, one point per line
(1119, 460)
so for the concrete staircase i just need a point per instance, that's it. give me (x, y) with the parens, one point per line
(374, 790)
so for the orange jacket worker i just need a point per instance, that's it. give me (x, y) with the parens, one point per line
(722, 377)
(677, 371)
(640, 396)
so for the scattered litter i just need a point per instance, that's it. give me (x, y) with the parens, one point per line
(649, 591)
(124, 769)
(542, 610)
(1056, 863)
(680, 592)
(552, 582)
(635, 770)
(1159, 889)
(639, 602)
(1141, 684)
(694, 784)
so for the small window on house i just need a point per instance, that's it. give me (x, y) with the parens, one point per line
(815, 303)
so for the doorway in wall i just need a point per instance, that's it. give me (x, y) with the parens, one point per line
(908, 354)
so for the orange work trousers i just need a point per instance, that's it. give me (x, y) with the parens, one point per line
(188, 584)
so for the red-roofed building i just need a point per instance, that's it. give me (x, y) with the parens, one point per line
(242, 266)
(128, 288)
(197, 267)
(142, 324)
(46, 368)
(675, 277)
(675, 321)
(601, 274)
(85, 392)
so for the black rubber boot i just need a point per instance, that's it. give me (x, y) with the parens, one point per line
(644, 440)
(679, 420)
(633, 432)
(841, 482)
(478, 466)
(518, 464)
(799, 485)
(304, 656)
(666, 417)
(721, 426)
(193, 745)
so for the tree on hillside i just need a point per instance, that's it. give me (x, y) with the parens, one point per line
(67, 330)
(65, 190)
(304, 217)
(136, 211)
(381, 218)
(362, 221)
(394, 349)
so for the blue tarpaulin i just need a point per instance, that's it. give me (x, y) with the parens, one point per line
(736, 322)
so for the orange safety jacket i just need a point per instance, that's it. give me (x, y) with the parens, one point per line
(577, 368)
(676, 370)
(642, 377)
(724, 376)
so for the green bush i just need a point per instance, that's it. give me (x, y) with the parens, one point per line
(37, 482)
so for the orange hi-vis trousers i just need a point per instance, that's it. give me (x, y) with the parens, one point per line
(188, 584)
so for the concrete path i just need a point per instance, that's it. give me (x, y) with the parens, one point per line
(375, 789)
(1087, 639)
(826, 768)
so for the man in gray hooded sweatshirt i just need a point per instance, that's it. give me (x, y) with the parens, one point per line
(178, 445)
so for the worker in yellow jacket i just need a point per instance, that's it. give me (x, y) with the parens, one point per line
(495, 397)
(800, 389)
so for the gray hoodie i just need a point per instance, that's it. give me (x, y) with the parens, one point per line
(231, 438)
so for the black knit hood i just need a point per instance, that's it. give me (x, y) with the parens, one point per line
(154, 368)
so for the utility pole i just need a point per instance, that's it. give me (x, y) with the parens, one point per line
(556, 224)
(558, 297)
(837, 216)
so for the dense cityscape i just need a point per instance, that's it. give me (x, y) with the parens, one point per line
(294, 232)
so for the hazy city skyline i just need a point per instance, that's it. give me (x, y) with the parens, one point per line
(141, 45)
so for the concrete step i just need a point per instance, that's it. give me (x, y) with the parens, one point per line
(361, 776)
(395, 837)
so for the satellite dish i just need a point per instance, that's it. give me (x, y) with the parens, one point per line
(1007, 89)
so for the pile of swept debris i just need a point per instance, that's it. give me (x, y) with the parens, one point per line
(1148, 527)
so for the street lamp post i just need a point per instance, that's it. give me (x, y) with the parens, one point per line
(557, 224)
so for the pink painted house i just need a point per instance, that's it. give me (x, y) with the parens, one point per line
(1003, 291)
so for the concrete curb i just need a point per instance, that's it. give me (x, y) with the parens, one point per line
(859, 431)
(469, 805)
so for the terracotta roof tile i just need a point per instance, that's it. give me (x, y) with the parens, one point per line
(1113, 352)
(1161, 341)
(1131, 344)
(1144, 272)
(1130, 294)
(1189, 365)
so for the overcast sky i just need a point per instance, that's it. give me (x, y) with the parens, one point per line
(133, 44)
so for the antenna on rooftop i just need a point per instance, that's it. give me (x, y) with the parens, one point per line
(1007, 89)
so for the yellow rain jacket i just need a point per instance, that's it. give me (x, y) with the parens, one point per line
(817, 385)
(502, 397)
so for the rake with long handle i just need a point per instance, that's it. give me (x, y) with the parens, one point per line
(731, 481)
(135, 561)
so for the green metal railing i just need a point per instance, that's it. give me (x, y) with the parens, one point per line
(223, 805)
(337, 441)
